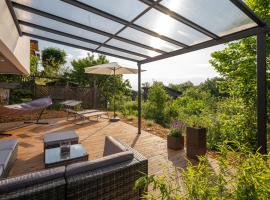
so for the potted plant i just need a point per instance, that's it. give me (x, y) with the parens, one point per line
(195, 139)
(175, 139)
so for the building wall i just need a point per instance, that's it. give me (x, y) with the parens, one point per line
(14, 48)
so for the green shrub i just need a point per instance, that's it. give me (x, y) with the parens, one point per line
(175, 132)
(154, 108)
(57, 106)
(131, 118)
(239, 174)
(149, 123)
(129, 108)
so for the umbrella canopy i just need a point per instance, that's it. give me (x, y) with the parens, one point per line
(111, 69)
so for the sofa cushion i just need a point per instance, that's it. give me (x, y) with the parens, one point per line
(15, 183)
(113, 146)
(113, 159)
(1, 170)
(5, 156)
(8, 144)
(60, 136)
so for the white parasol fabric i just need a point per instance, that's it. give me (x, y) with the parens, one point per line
(111, 69)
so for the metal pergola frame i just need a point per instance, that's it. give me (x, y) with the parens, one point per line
(261, 30)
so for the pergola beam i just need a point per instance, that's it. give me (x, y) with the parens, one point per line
(210, 43)
(15, 20)
(139, 99)
(78, 38)
(75, 46)
(122, 21)
(261, 93)
(79, 25)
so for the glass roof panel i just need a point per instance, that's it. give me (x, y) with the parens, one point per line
(119, 53)
(124, 45)
(73, 13)
(167, 26)
(56, 37)
(125, 9)
(218, 16)
(52, 24)
(143, 38)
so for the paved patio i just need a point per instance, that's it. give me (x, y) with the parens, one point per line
(91, 135)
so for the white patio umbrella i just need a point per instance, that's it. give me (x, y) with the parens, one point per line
(111, 69)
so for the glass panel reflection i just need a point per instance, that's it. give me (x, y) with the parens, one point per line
(149, 40)
(167, 26)
(125, 9)
(218, 16)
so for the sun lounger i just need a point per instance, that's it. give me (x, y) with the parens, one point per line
(86, 114)
(71, 103)
(15, 110)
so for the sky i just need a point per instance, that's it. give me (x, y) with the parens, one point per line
(192, 66)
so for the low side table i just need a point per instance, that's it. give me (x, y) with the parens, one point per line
(53, 157)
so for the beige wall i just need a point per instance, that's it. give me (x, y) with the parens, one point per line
(14, 48)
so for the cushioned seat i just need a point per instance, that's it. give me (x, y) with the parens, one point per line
(1, 170)
(8, 154)
(113, 146)
(31, 179)
(113, 159)
(5, 156)
(8, 144)
(52, 140)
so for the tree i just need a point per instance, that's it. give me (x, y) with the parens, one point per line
(214, 87)
(237, 65)
(181, 87)
(52, 60)
(156, 105)
(104, 83)
(33, 64)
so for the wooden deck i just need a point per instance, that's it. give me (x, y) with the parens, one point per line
(91, 135)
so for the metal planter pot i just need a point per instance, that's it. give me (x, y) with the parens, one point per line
(175, 143)
(195, 142)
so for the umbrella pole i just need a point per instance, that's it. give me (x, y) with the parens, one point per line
(114, 119)
(114, 93)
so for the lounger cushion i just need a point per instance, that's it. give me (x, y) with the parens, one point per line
(15, 183)
(5, 156)
(113, 146)
(8, 144)
(82, 167)
(60, 136)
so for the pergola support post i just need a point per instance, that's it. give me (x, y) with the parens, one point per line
(261, 93)
(139, 99)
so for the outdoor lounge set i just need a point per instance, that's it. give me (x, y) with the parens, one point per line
(110, 177)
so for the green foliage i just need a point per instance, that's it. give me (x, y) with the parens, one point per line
(33, 64)
(237, 65)
(20, 95)
(106, 84)
(238, 174)
(149, 123)
(175, 132)
(129, 108)
(57, 106)
(155, 106)
(182, 87)
(52, 60)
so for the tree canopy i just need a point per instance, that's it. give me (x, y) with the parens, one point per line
(52, 60)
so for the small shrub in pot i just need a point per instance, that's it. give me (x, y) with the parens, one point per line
(175, 139)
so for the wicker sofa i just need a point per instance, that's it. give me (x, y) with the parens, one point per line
(110, 177)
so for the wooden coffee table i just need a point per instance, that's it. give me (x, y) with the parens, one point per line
(53, 157)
